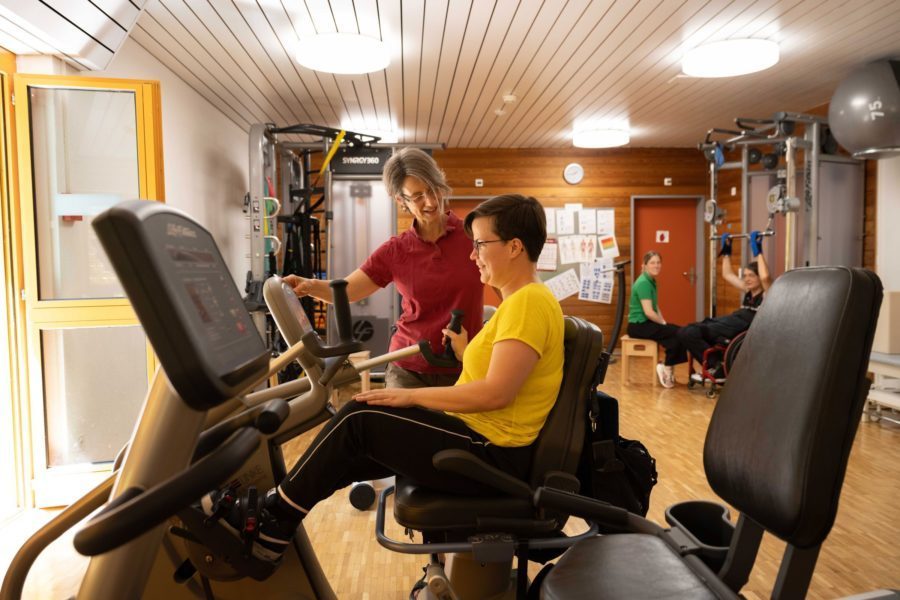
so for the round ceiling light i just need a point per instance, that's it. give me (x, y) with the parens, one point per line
(600, 138)
(730, 58)
(342, 53)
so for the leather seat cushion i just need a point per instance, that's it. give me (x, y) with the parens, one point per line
(422, 509)
(623, 566)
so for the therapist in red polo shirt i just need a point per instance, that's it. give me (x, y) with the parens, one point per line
(429, 263)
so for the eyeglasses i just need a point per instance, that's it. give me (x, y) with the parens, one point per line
(418, 197)
(477, 245)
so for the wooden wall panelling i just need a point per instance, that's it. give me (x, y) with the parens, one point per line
(611, 178)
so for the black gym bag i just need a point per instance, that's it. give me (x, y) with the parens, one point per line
(612, 468)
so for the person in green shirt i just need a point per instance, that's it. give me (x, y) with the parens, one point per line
(646, 321)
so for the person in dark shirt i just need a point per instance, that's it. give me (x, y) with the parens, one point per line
(753, 281)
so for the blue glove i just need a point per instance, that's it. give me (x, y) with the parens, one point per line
(718, 155)
(756, 243)
(725, 248)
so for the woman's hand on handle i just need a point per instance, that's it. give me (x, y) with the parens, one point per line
(458, 341)
(359, 286)
(301, 285)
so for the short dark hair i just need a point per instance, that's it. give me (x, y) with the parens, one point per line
(649, 255)
(514, 216)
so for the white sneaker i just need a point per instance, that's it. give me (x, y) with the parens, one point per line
(697, 377)
(665, 378)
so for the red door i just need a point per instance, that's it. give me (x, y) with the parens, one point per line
(669, 226)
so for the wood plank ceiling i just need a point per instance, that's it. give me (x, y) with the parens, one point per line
(567, 63)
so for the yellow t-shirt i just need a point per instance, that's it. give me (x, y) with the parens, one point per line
(533, 316)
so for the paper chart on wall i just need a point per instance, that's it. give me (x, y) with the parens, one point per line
(550, 213)
(547, 259)
(564, 285)
(565, 222)
(597, 281)
(602, 268)
(606, 221)
(587, 221)
(608, 246)
(597, 290)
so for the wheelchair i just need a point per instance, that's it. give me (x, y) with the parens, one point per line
(728, 350)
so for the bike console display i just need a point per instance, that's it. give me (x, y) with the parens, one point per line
(185, 298)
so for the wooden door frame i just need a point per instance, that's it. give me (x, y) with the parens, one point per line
(14, 494)
(700, 243)
(42, 484)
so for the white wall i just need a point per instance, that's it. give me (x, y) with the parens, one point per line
(205, 155)
(887, 247)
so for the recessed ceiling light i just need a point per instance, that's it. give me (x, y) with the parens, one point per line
(729, 58)
(600, 138)
(342, 53)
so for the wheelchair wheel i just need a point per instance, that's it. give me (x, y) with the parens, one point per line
(732, 350)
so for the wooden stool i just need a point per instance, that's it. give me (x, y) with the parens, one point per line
(638, 347)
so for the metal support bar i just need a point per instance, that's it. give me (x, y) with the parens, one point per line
(812, 192)
(790, 234)
(796, 572)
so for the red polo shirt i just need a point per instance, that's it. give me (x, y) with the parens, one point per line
(433, 278)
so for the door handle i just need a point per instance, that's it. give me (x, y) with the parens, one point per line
(691, 275)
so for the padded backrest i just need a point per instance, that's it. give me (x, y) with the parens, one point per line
(780, 435)
(559, 444)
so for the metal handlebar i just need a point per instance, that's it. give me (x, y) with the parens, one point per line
(742, 236)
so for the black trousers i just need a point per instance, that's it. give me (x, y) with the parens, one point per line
(697, 338)
(363, 442)
(667, 335)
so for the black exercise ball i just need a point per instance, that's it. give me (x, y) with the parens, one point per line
(864, 114)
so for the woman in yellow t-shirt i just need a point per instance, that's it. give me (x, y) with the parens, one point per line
(511, 373)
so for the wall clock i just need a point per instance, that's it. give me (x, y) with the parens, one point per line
(573, 173)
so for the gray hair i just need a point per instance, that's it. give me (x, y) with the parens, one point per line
(414, 162)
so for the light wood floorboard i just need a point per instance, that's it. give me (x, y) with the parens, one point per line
(862, 553)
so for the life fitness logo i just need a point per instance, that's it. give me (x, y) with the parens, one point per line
(363, 330)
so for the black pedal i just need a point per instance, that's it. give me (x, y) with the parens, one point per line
(250, 518)
(225, 499)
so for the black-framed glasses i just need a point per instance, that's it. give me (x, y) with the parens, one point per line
(477, 245)
(418, 197)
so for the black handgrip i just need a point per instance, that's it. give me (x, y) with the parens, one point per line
(272, 415)
(145, 511)
(456, 317)
(344, 323)
(342, 310)
(267, 418)
(580, 506)
(448, 358)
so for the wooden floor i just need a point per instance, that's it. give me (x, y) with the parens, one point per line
(861, 554)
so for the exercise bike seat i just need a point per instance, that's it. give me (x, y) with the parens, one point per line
(557, 450)
(776, 449)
